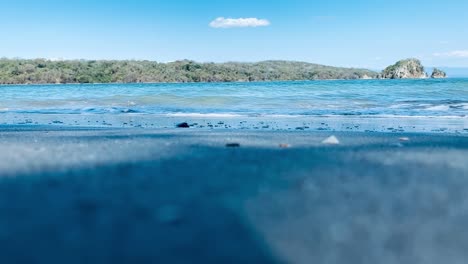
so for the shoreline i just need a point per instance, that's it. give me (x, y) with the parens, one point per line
(375, 124)
(231, 82)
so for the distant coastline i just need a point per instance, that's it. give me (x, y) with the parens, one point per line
(42, 71)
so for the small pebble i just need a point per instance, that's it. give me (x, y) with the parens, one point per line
(331, 141)
(233, 145)
(284, 145)
(404, 139)
(183, 125)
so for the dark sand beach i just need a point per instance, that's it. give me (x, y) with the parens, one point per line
(106, 195)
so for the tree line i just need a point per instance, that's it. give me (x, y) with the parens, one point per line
(42, 71)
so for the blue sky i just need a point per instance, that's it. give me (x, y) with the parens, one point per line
(359, 33)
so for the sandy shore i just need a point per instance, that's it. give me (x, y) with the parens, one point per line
(395, 124)
(106, 195)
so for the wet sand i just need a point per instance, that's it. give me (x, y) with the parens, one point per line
(108, 195)
(352, 123)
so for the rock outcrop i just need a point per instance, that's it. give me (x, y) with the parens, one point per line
(438, 74)
(366, 77)
(405, 69)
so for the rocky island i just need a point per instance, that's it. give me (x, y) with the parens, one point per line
(405, 69)
(409, 69)
(438, 74)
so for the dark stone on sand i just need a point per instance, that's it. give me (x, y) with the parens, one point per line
(183, 125)
(233, 145)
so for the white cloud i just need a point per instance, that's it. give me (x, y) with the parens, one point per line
(222, 22)
(453, 54)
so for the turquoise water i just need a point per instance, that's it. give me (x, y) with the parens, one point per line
(448, 97)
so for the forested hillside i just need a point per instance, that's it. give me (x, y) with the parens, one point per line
(40, 71)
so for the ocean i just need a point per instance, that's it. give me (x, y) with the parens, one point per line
(442, 100)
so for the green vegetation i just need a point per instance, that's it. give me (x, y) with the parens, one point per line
(40, 71)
